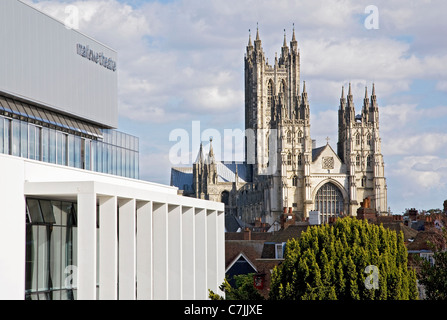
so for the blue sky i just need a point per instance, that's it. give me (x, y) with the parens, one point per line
(182, 61)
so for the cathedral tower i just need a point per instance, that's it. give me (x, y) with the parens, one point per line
(278, 115)
(359, 147)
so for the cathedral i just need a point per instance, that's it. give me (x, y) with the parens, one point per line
(284, 170)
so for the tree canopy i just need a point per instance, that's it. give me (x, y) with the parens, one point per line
(329, 262)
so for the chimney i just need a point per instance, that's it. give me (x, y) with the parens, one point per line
(412, 214)
(247, 234)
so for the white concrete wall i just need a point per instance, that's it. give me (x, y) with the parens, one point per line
(170, 246)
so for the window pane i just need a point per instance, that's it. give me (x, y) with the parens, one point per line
(52, 146)
(7, 139)
(32, 142)
(2, 135)
(45, 139)
(55, 257)
(87, 155)
(42, 268)
(71, 150)
(77, 152)
(38, 143)
(57, 211)
(59, 148)
(47, 211)
(24, 139)
(34, 211)
(30, 259)
(16, 138)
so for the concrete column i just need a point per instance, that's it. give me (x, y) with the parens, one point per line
(188, 253)
(127, 249)
(211, 240)
(108, 248)
(86, 246)
(174, 252)
(200, 254)
(144, 250)
(220, 249)
(160, 246)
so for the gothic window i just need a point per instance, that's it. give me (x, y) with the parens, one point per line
(289, 159)
(369, 139)
(289, 137)
(329, 201)
(300, 136)
(282, 88)
(270, 95)
(357, 161)
(357, 139)
(368, 161)
(300, 159)
(295, 181)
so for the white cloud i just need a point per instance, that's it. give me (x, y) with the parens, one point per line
(183, 60)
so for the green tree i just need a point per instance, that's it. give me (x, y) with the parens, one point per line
(433, 276)
(243, 290)
(328, 262)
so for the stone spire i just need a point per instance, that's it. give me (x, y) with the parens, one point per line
(258, 39)
(342, 99)
(211, 153)
(200, 156)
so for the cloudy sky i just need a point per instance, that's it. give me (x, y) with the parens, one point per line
(182, 61)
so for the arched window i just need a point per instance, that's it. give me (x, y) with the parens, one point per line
(295, 181)
(329, 201)
(368, 161)
(300, 159)
(369, 139)
(289, 137)
(289, 159)
(357, 161)
(357, 139)
(270, 95)
(300, 136)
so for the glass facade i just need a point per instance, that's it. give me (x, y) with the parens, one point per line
(51, 250)
(115, 153)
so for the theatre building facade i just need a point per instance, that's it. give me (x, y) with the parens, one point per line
(77, 223)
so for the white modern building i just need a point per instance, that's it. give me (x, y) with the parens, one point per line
(76, 222)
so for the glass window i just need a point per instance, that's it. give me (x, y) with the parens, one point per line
(119, 161)
(34, 211)
(38, 143)
(51, 248)
(16, 138)
(42, 258)
(47, 211)
(24, 139)
(45, 146)
(2, 134)
(71, 153)
(87, 153)
(52, 146)
(32, 142)
(77, 152)
(59, 147)
(7, 138)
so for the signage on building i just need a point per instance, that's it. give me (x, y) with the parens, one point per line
(98, 58)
